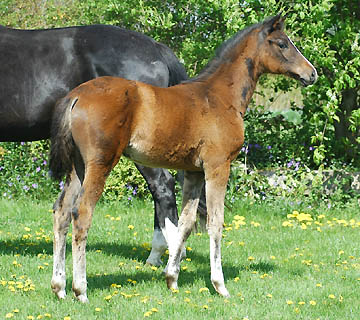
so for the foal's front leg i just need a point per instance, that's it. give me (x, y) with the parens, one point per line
(62, 218)
(215, 186)
(193, 184)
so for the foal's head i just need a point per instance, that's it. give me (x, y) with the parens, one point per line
(278, 54)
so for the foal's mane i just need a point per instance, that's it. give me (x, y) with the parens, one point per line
(222, 53)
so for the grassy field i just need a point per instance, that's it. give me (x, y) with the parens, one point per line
(278, 264)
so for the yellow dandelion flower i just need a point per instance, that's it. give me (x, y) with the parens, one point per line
(287, 224)
(154, 268)
(147, 314)
(16, 310)
(188, 248)
(236, 279)
(187, 291)
(184, 268)
(203, 289)
(174, 290)
(130, 227)
(332, 296)
(312, 302)
(40, 316)
(301, 303)
(9, 315)
(31, 317)
(107, 298)
(237, 217)
(304, 217)
(47, 315)
(341, 252)
(272, 257)
(241, 243)
(27, 229)
(205, 306)
(319, 285)
(97, 309)
(269, 295)
(251, 258)
(154, 310)
(187, 300)
(289, 302)
(341, 298)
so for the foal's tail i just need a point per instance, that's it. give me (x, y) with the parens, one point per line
(177, 70)
(62, 144)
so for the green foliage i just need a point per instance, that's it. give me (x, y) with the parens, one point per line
(125, 183)
(24, 171)
(323, 131)
(292, 184)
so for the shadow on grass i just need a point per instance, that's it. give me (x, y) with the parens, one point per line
(124, 250)
(186, 278)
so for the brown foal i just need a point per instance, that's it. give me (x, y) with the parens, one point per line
(196, 126)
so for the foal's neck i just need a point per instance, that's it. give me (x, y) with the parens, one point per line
(237, 78)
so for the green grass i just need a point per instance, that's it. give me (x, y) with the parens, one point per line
(272, 271)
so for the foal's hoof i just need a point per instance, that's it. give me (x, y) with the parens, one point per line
(220, 289)
(61, 294)
(171, 282)
(82, 298)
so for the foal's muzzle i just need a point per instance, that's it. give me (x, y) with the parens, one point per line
(310, 79)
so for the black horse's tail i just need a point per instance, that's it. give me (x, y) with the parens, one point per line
(62, 144)
(177, 70)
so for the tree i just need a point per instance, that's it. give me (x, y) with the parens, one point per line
(326, 31)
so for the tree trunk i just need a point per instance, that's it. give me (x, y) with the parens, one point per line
(347, 138)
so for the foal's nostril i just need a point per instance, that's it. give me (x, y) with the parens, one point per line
(313, 76)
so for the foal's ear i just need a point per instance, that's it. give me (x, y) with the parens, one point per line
(274, 23)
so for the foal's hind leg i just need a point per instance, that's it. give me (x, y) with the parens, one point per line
(91, 190)
(62, 218)
(162, 187)
(191, 193)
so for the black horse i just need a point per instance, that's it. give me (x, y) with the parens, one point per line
(37, 67)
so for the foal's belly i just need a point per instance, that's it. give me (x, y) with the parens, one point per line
(174, 156)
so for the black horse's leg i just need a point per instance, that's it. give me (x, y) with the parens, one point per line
(162, 187)
(201, 210)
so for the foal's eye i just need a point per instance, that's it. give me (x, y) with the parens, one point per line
(282, 45)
